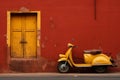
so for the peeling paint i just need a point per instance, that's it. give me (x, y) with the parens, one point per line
(55, 45)
(42, 45)
(44, 67)
(38, 65)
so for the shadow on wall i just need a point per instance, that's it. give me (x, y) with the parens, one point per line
(116, 69)
(118, 60)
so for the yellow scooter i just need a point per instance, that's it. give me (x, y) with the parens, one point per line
(92, 58)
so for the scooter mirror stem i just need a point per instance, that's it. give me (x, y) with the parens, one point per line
(70, 45)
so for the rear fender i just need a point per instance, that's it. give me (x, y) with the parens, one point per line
(101, 60)
(65, 59)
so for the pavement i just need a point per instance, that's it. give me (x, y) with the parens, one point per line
(59, 74)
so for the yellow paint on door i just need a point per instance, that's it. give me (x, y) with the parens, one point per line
(31, 35)
(23, 35)
(16, 48)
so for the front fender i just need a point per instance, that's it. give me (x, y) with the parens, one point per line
(101, 60)
(65, 59)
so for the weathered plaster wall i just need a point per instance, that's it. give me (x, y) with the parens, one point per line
(66, 21)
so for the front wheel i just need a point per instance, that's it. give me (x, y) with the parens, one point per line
(100, 69)
(63, 67)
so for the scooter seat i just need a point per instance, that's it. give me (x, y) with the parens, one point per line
(94, 51)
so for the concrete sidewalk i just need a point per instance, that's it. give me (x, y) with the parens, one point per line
(58, 74)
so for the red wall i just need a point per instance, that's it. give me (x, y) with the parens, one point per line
(66, 21)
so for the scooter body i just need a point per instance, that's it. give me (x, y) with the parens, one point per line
(92, 58)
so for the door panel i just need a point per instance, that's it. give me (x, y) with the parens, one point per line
(31, 44)
(16, 47)
(31, 22)
(30, 32)
(15, 23)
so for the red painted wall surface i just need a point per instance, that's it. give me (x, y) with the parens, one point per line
(66, 21)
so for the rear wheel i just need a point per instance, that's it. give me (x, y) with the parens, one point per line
(63, 67)
(100, 69)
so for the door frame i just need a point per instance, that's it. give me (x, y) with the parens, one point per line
(8, 33)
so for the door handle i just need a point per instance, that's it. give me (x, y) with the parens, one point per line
(23, 42)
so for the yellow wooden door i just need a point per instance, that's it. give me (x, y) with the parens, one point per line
(23, 35)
